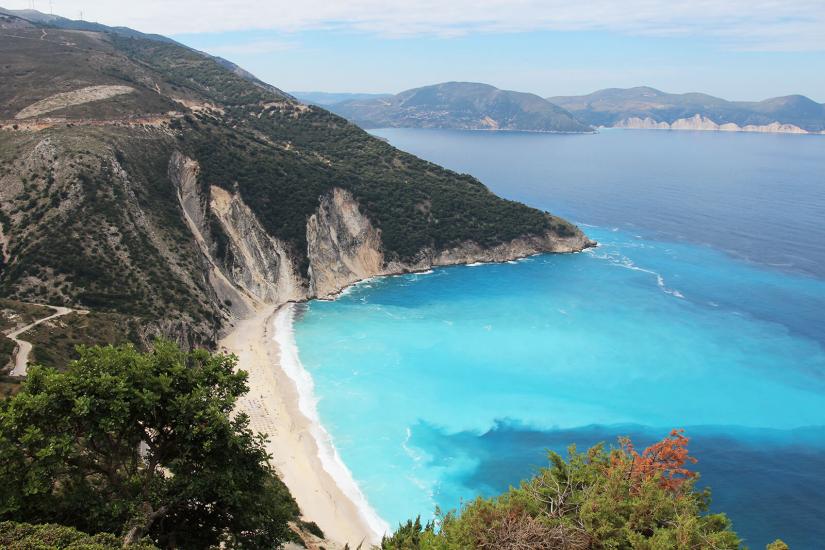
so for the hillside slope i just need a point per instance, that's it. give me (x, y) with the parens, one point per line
(145, 179)
(460, 105)
(645, 107)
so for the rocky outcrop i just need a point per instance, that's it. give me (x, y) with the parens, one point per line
(256, 262)
(183, 172)
(699, 122)
(522, 247)
(343, 247)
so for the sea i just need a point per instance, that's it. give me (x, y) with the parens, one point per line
(702, 308)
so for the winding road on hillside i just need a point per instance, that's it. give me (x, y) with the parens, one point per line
(24, 348)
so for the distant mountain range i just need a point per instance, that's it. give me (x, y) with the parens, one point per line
(649, 108)
(472, 106)
(460, 105)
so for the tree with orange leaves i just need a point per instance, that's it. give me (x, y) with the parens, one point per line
(664, 460)
(600, 499)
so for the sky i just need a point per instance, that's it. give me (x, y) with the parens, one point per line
(737, 49)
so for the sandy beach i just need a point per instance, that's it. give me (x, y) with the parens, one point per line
(275, 406)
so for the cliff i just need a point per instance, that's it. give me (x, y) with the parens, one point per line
(156, 185)
(343, 247)
(699, 122)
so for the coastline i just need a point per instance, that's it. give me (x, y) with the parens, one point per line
(281, 401)
(281, 404)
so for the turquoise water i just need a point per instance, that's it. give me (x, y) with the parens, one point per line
(441, 386)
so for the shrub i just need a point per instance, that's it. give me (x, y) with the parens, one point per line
(611, 499)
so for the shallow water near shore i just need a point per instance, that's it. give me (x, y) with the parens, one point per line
(702, 308)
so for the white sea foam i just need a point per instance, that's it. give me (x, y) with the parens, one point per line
(418, 458)
(616, 258)
(475, 264)
(345, 291)
(308, 406)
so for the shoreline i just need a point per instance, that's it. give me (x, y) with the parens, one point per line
(302, 450)
(281, 403)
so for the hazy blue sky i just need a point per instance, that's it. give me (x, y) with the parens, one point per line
(739, 49)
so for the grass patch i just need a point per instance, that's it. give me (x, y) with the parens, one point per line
(54, 342)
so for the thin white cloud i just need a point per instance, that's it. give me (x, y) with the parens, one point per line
(747, 24)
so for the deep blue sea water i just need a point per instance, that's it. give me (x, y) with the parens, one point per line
(703, 308)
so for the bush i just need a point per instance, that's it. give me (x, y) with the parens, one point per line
(138, 444)
(52, 536)
(616, 499)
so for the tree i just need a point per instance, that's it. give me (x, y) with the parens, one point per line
(666, 461)
(141, 444)
(616, 499)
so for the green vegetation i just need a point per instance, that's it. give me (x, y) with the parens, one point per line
(461, 105)
(58, 537)
(102, 230)
(8, 386)
(55, 344)
(599, 499)
(7, 347)
(416, 204)
(95, 216)
(282, 156)
(33, 69)
(141, 445)
(188, 70)
(15, 314)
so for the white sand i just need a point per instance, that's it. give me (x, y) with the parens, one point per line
(275, 408)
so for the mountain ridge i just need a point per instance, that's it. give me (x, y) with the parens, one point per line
(644, 105)
(143, 179)
(461, 105)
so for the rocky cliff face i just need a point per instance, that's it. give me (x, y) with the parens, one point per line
(256, 262)
(184, 172)
(699, 122)
(522, 247)
(343, 247)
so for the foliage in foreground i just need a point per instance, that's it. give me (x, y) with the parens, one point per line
(138, 445)
(599, 499)
(48, 536)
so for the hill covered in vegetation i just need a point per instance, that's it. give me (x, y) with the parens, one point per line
(145, 179)
(460, 105)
